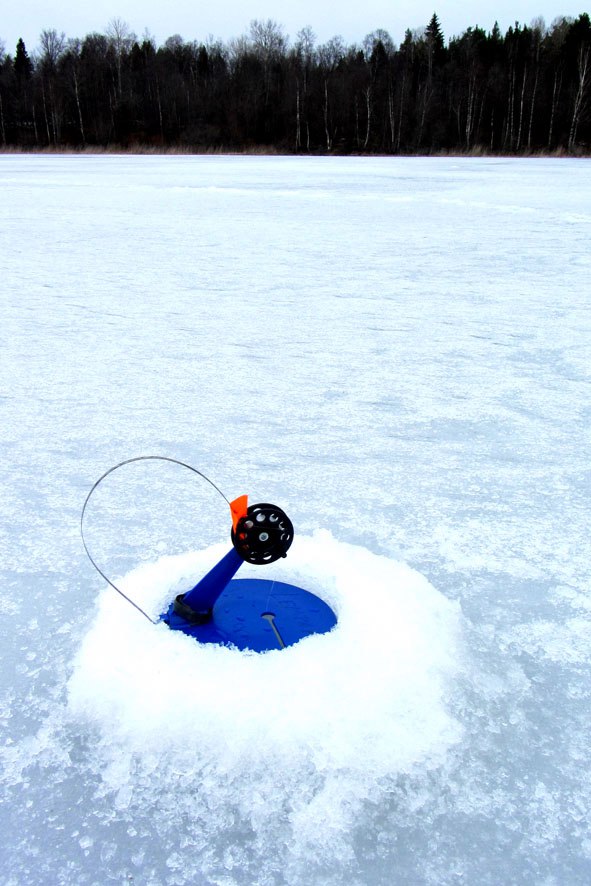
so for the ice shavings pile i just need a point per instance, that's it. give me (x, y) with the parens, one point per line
(287, 745)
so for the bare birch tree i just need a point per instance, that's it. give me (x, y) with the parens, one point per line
(121, 38)
(584, 70)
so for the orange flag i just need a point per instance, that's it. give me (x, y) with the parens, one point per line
(238, 508)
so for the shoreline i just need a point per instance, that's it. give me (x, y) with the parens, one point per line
(149, 150)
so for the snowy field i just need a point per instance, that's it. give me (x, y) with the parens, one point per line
(398, 353)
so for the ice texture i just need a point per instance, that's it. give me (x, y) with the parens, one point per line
(396, 352)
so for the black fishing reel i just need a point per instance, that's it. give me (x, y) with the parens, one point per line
(263, 535)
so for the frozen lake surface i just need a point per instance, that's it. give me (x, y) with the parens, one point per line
(397, 352)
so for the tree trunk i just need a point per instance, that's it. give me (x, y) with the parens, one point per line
(521, 104)
(55, 116)
(401, 112)
(478, 124)
(368, 108)
(298, 138)
(77, 94)
(326, 131)
(35, 125)
(533, 102)
(583, 65)
(112, 111)
(470, 113)
(555, 94)
(159, 110)
(508, 140)
(531, 113)
(391, 115)
(45, 112)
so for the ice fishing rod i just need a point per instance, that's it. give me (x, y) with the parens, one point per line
(260, 534)
(116, 467)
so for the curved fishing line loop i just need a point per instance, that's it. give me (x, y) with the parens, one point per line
(100, 480)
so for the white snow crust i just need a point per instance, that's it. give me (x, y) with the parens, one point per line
(294, 742)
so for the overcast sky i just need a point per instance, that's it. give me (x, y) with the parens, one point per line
(195, 20)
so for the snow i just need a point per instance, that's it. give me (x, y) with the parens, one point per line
(395, 351)
(355, 706)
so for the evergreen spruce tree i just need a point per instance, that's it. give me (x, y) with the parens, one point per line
(435, 42)
(23, 66)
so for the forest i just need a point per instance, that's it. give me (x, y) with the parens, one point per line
(523, 92)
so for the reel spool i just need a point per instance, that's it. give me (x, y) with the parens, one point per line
(263, 535)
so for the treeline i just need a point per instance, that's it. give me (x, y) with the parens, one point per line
(525, 91)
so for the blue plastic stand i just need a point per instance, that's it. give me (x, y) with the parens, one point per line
(203, 596)
(261, 615)
(250, 613)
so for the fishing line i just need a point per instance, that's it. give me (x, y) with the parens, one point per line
(100, 480)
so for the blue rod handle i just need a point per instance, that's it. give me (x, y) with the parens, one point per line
(203, 596)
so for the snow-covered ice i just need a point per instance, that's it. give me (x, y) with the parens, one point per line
(397, 352)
